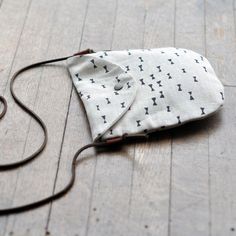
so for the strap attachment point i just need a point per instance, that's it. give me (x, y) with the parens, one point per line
(86, 51)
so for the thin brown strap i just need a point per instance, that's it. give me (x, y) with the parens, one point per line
(59, 194)
(29, 111)
(3, 100)
(66, 189)
(4, 167)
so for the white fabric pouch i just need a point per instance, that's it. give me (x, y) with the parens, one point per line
(134, 92)
(128, 93)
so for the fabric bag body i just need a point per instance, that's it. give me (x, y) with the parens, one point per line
(142, 91)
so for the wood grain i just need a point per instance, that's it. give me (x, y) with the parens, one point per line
(98, 36)
(189, 187)
(220, 38)
(180, 182)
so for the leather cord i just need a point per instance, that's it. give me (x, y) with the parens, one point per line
(8, 166)
(3, 100)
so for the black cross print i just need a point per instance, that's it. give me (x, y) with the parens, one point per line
(146, 110)
(93, 62)
(222, 95)
(129, 109)
(162, 95)
(77, 75)
(159, 83)
(191, 97)
(185, 51)
(179, 87)
(159, 68)
(103, 86)
(88, 97)
(101, 56)
(123, 105)
(104, 119)
(176, 54)
(195, 79)
(202, 109)
(141, 67)
(92, 81)
(141, 59)
(205, 68)
(116, 93)
(202, 58)
(127, 68)
(152, 76)
(168, 108)
(105, 54)
(138, 123)
(98, 108)
(169, 76)
(171, 62)
(129, 86)
(154, 101)
(162, 52)
(196, 60)
(80, 94)
(105, 68)
(183, 70)
(108, 101)
(129, 53)
(151, 86)
(179, 121)
(142, 83)
(111, 131)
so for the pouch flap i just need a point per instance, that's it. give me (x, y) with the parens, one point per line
(107, 90)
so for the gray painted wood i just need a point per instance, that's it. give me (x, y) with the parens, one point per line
(33, 45)
(98, 36)
(181, 182)
(220, 38)
(150, 192)
(113, 175)
(189, 186)
(222, 168)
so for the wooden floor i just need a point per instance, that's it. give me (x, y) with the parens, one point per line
(181, 182)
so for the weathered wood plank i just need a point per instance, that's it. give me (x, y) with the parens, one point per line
(33, 45)
(221, 48)
(149, 201)
(189, 187)
(160, 25)
(220, 38)
(222, 165)
(114, 170)
(44, 29)
(76, 206)
(12, 21)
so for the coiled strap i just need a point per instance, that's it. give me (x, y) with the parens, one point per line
(4, 167)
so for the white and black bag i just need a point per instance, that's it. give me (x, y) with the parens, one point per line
(129, 94)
